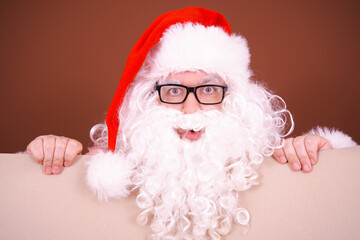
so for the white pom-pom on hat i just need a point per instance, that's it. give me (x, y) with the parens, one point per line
(108, 175)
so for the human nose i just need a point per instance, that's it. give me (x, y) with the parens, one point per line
(191, 105)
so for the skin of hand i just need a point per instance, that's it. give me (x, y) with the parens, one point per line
(54, 152)
(301, 152)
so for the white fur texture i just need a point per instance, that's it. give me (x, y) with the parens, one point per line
(108, 175)
(193, 47)
(337, 138)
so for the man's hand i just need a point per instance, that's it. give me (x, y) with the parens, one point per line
(301, 152)
(54, 152)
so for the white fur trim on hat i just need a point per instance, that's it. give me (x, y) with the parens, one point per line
(336, 138)
(108, 175)
(193, 47)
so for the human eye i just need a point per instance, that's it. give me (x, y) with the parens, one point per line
(174, 91)
(208, 89)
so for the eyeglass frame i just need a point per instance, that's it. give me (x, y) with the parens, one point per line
(189, 90)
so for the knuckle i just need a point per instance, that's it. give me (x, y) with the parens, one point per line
(47, 162)
(288, 144)
(60, 146)
(57, 162)
(73, 144)
(61, 138)
(277, 153)
(304, 159)
(310, 140)
(298, 142)
(289, 141)
(292, 157)
(36, 153)
(69, 157)
(34, 145)
(312, 153)
(49, 147)
(48, 137)
(324, 140)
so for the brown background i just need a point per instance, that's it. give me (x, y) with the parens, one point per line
(60, 61)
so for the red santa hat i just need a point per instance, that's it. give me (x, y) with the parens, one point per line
(192, 38)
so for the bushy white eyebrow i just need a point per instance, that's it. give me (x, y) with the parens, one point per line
(210, 79)
(171, 81)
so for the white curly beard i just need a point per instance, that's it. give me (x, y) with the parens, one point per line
(189, 189)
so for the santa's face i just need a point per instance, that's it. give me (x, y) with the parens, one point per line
(191, 103)
(192, 161)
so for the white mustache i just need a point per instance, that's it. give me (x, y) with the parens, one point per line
(196, 121)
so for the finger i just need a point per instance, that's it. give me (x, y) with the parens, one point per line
(300, 149)
(59, 154)
(324, 144)
(291, 155)
(35, 148)
(49, 147)
(312, 147)
(279, 155)
(315, 143)
(73, 148)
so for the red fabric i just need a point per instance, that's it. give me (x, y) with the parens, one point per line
(139, 52)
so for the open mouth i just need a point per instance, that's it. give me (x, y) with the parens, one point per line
(189, 134)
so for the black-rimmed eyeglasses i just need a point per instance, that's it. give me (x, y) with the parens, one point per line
(205, 94)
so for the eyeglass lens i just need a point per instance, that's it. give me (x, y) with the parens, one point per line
(205, 94)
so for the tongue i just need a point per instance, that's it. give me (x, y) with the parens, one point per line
(193, 135)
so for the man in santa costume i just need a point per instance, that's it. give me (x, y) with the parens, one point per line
(187, 129)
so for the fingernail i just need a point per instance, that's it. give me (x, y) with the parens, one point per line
(283, 160)
(66, 164)
(296, 166)
(312, 161)
(55, 169)
(306, 167)
(48, 170)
